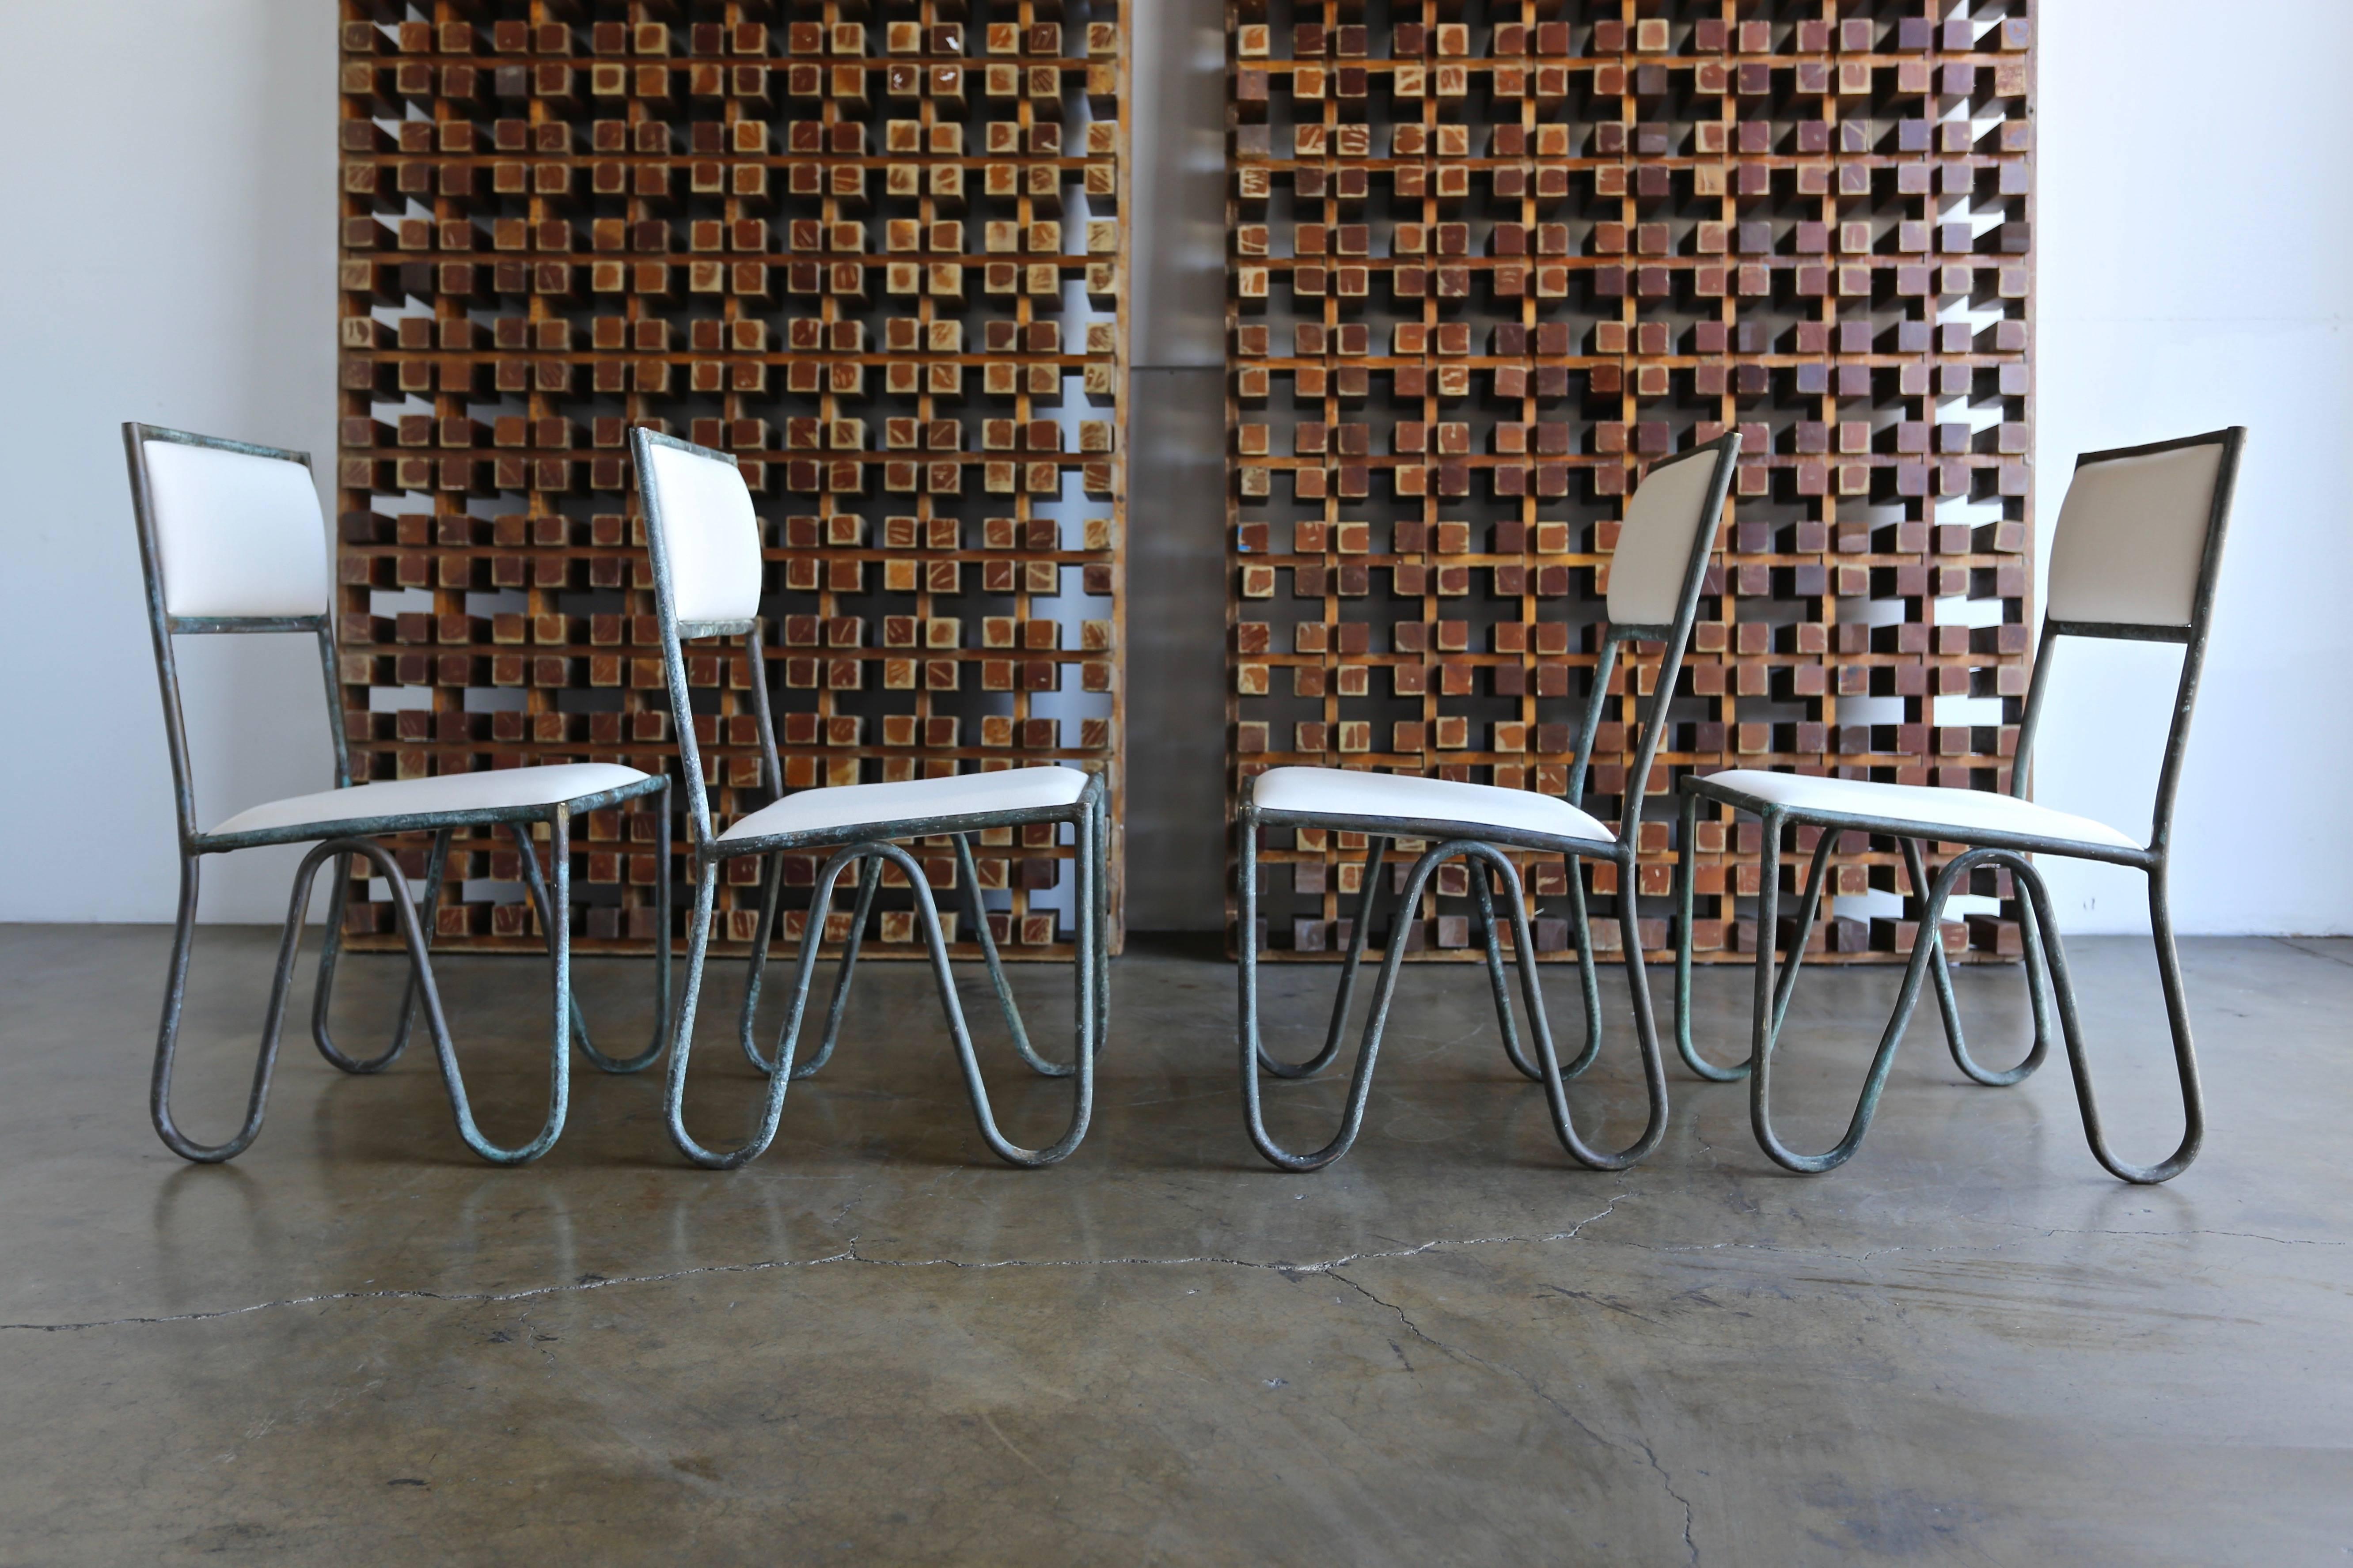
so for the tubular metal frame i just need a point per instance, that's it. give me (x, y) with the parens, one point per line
(1455, 839)
(869, 843)
(344, 838)
(2045, 954)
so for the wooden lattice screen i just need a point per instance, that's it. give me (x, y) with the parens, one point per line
(1487, 260)
(878, 257)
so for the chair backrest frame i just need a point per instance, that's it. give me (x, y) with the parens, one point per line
(2233, 442)
(1675, 635)
(164, 626)
(674, 632)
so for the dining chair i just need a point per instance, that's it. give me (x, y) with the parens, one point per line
(1656, 571)
(231, 541)
(705, 543)
(2133, 556)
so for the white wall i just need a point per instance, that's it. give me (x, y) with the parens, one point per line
(2196, 224)
(170, 259)
(173, 263)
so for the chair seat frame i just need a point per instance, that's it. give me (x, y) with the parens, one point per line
(343, 839)
(869, 847)
(2048, 977)
(1480, 845)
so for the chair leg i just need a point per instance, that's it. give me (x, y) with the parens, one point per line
(968, 875)
(1089, 987)
(644, 1059)
(330, 954)
(1588, 972)
(1927, 954)
(1686, 868)
(1493, 940)
(1916, 862)
(1359, 930)
(781, 1075)
(167, 1039)
(554, 904)
(1367, 1051)
(870, 878)
(1646, 1025)
(2177, 1014)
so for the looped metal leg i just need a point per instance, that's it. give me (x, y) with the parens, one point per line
(423, 987)
(1090, 925)
(167, 1038)
(1481, 856)
(644, 1059)
(1491, 938)
(1687, 859)
(1928, 954)
(1646, 1025)
(1948, 1006)
(2177, 1017)
(332, 950)
(331, 954)
(1367, 900)
(1088, 933)
(1083, 833)
(780, 1075)
(869, 878)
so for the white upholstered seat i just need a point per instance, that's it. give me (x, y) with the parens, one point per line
(1340, 793)
(851, 809)
(451, 791)
(1964, 811)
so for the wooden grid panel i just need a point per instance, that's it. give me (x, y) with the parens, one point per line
(1486, 262)
(878, 257)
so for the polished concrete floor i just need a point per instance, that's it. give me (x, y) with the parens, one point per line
(358, 1344)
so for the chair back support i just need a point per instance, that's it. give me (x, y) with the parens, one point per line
(704, 540)
(2136, 553)
(710, 536)
(1670, 512)
(1655, 576)
(237, 532)
(230, 540)
(2130, 546)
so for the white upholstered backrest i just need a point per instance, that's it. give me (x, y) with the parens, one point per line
(710, 536)
(2132, 536)
(237, 534)
(1654, 544)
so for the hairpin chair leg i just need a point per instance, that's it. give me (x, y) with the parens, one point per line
(288, 950)
(2177, 1017)
(1491, 938)
(813, 935)
(1686, 866)
(1090, 836)
(1088, 988)
(1927, 954)
(780, 1075)
(869, 878)
(330, 948)
(1360, 1082)
(1646, 1030)
(1359, 930)
(644, 1059)
(1490, 935)
(1916, 862)
(556, 903)
(167, 1038)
